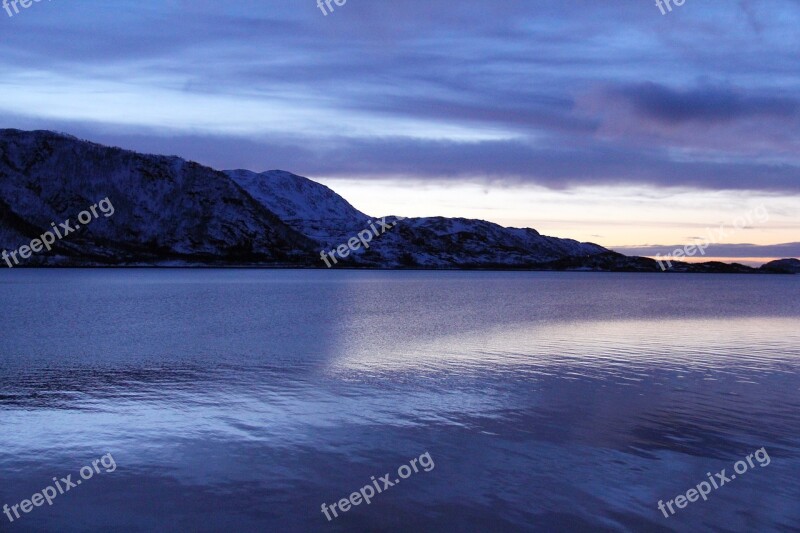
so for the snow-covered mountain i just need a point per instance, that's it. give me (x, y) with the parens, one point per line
(465, 242)
(172, 211)
(319, 213)
(166, 209)
(295, 198)
(307, 206)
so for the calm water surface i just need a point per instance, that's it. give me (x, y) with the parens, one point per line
(241, 400)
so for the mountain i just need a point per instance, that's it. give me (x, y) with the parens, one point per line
(319, 213)
(166, 209)
(158, 210)
(436, 242)
(308, 207)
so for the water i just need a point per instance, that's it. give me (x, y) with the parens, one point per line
(243, 400)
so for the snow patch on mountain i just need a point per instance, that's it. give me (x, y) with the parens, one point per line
(294, 197)
(307, 206)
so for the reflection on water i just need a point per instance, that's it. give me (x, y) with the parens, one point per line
(550, 401)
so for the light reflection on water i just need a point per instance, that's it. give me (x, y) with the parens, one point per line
(244, 399)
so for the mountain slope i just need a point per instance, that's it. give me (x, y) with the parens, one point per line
(295, 198)
(165, 208)
(307, 206)
(437, 242)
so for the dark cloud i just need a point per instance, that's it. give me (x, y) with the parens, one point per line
(577, 92)
(704, 104)
(500, 162)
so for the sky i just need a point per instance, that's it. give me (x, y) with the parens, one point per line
(602, 121)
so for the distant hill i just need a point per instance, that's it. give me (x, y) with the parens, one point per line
(783, 266)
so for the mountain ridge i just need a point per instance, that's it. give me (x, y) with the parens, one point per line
(174, 212)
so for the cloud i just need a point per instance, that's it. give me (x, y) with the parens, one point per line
(507, 91)
(704, 104)
(785, 250)
(501, 162)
